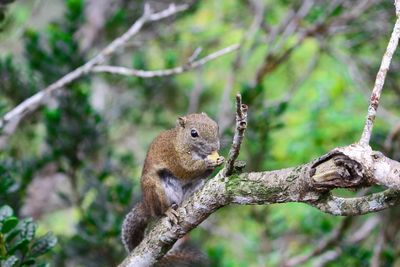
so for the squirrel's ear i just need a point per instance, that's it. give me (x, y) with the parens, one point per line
(203, 113)
(181, 122)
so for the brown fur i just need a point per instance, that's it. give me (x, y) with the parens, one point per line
(175, 166)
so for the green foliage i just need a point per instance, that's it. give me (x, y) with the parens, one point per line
(3, 9)
(99, 148)
(15, 177)
(75, 135)
(16, 84)
(18, 244)
(7, 184)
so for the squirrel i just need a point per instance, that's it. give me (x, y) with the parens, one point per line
(176, 165)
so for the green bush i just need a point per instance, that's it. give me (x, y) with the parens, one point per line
(18, 244)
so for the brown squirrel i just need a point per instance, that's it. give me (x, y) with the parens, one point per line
(176, 165)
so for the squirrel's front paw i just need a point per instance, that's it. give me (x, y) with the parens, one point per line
(211, 164)
(172, 215)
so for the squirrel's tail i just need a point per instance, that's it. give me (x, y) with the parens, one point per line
(181, 255)
(134, 226)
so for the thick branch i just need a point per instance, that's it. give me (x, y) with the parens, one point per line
(375, 168)
(380, 80)
(309, 183)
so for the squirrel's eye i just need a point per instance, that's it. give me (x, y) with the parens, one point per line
(194, 133)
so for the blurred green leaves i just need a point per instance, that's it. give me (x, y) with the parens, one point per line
(18, 244)
(16, 82)
(3, 8)
(99, 149)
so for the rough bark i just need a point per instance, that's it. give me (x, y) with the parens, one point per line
(348, 167)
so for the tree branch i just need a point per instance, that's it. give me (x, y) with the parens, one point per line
(166, 72)
(11, 119)
(241, 125)
(380, 79)
(309, 183)
(352, 166)
(363, 232)
(378, 248)
(359, 205)
(335, 236)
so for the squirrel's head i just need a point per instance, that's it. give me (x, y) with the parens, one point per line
(198, 135)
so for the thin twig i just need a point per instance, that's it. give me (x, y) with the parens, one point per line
(391, 138)
(292, 25)
(364, 230)
(241, 125)
(379, 246)
(11, 119)
(327, 257)
(166, 72)
(360, 235)
(322, 29)
(335, 237)
(380, 80)
(195, 54)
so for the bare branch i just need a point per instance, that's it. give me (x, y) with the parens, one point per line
(195, 54)
(379, 246)
(96, 13)
(167, 72)
(334, 237)
(363, 232)
(323, 28)
(397, 6)
(372, 203)
(391, 137)
(380, 80)
(241, 125)
(11, 119)
(327, 257)
(291, 25)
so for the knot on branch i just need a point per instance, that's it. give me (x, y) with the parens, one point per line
(241, 113)
(336, 170)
